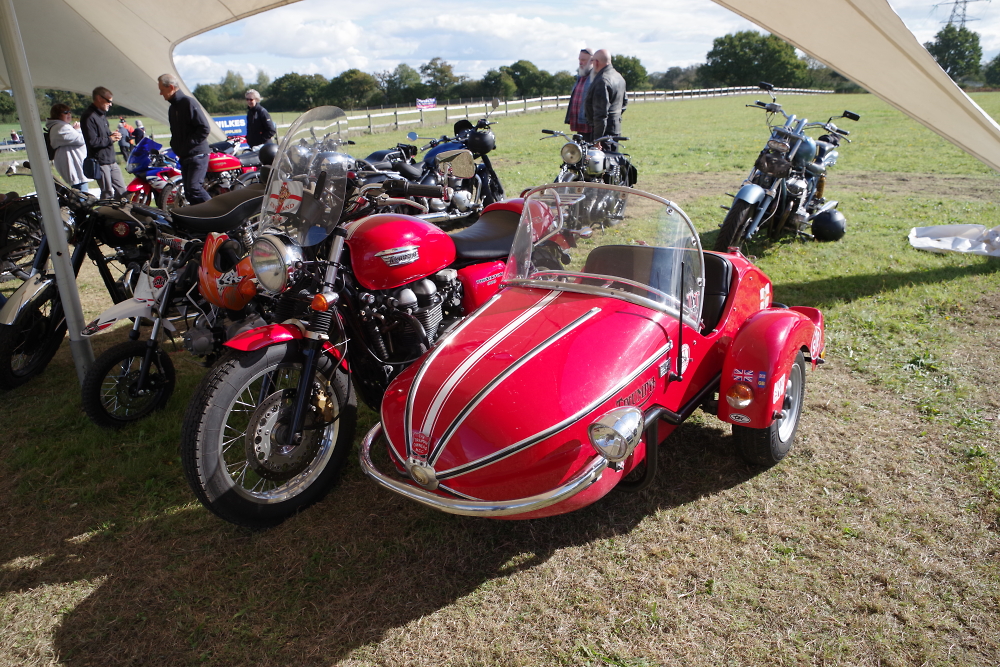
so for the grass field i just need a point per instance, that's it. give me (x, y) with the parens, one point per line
(874, 543)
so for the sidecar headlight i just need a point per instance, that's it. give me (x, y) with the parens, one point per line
(274, 259)
(571, 153)
(740, 395)
(616, 434)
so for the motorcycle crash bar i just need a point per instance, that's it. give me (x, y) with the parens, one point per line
(483, 508)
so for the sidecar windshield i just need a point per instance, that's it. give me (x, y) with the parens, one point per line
(628, 244)
(308, 181)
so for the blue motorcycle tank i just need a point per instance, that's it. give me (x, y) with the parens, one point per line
(440, 148)
(805, 154)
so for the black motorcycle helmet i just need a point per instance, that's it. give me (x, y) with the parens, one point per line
(462, 125)
(829, 225)
(480, 142)
(267, 153)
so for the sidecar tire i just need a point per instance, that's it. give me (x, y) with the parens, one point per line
(734, 226)
(28, 345)
(765, 447)
(204, 450)
(108, 405)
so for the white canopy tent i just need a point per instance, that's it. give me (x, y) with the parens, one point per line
(79, 44)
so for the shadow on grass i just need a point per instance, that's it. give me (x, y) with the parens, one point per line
(829, 292)
(185, 587)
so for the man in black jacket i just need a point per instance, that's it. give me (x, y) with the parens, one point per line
(606, 99)
(101, 143)
(188, 137)
(260, 127)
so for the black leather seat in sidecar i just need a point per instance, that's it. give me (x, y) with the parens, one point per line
(492, 235)
(718, 280)
(220, 214)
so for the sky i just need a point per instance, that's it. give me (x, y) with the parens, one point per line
(329, 36)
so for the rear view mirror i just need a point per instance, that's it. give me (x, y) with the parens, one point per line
(412, 136)
(461, 161)
(851, 115)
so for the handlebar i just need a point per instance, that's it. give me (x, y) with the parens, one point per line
(398, 186)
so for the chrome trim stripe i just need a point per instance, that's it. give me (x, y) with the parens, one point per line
(486, 508)
(549, 432)
(411, 394)
(603, 291)
(443, 441)
(448, 386)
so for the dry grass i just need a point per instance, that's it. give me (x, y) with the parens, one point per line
(874, 543)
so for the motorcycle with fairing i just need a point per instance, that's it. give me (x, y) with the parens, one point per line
(359, 294)
(785, 189)
(563, 386)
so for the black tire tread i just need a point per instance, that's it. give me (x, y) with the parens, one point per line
(733, 227)
(761, 446)
(94, 380)
(8, 340)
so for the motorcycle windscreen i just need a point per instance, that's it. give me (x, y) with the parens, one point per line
(629, 244)
(138, 159)
(308, 180)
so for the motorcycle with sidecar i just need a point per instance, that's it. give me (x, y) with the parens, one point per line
(562, 387)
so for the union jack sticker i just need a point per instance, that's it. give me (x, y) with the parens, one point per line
(742, 376)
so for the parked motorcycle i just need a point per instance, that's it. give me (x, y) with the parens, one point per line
(596, 161)
(153, 169)
(20, 235)
(786, 187)
(225, 172)
(32, 323)
(357, 299)
(465, 198)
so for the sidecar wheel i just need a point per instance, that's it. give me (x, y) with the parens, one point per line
(110, 394)
(734, 226)
(230, 459)
(767, 446)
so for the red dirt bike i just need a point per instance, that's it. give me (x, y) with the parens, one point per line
(562, 387)
(359, 295)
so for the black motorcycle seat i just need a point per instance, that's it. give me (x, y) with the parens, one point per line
(250, 159)
(220, 214)
(491, 236)
(385, 165)
(410, 171)
(222, 147)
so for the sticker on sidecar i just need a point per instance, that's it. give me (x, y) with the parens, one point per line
(762, 379)
(739, 419)
(742, 375)
(399, 256)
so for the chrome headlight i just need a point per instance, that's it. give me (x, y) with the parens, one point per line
(779, 146)
(595, 162)
(274, 258)
(571, 153)
(616, 434)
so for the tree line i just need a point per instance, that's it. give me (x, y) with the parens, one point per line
(742, 58)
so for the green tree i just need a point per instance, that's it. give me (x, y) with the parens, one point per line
(400, 86)
(677, 78)
(562, 83)
(352, 89)
(296, 92)
(991, 73)
(232, 86)
(439, 76)
(262, 84)
(498, 84)
(748, 57)
(530, 81)
(632, 71)
(956, 50)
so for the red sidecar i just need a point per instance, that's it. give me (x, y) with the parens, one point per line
(552, 393)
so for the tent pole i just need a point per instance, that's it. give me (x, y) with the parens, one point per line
(27, 111)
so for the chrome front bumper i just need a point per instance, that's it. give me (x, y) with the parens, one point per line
(484, 508)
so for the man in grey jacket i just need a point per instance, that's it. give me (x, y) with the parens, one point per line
(605, 99)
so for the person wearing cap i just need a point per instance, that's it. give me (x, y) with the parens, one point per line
(576, 116)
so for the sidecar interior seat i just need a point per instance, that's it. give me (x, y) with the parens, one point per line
(640, 263)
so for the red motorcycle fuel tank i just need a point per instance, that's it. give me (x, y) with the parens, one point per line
(500, 409)
(218, 162)
(389, 250)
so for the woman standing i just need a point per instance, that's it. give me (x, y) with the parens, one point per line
(67, 141)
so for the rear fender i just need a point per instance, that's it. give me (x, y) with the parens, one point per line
(761, 354)
(273, 334)
(515, 205)
(31, 289)
(751, 193)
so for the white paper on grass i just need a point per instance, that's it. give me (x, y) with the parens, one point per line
(973, 239)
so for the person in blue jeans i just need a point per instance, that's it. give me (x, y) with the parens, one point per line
(188, 137)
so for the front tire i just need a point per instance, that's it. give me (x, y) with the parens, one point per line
(230, 448)
(29, 343)
(172, 196)
(734, 227)
(22, 224)
(111, 397)
(767, 446)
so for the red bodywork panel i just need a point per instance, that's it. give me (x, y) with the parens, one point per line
(261, 337)
(218, 162)
(479, 283)
(389, 250)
